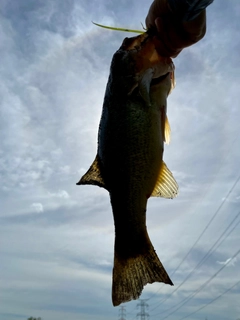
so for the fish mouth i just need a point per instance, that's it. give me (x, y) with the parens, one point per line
(159, 79)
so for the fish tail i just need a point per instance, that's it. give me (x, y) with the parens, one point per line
(131, 274)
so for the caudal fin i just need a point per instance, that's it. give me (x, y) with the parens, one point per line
(132, 274)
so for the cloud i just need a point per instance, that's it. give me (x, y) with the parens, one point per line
(57, 263)
(65, 169)
(38, 207)
(232, 199)
(59, 194)
(229, 262)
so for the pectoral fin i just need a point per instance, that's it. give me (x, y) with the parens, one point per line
(93, 175)
(167, 131)
(165, 125)
(166, 185)
(144, 85)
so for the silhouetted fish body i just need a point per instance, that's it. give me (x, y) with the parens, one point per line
(129, 164)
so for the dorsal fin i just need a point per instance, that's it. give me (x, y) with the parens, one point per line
(93, 175)
(166, 185)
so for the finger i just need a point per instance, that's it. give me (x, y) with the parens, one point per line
(158, 8)
(195, 28)
(171, 41)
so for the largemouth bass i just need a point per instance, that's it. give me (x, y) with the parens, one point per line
(129, 163)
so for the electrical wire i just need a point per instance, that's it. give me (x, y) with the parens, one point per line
(210, 302)
(198, 239)
(212, 249)
(209, 251)
(182, 303)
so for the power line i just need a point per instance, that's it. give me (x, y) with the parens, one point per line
(182, 303)
(213, 300)
(210, 250)
(209, 223)
(185, 257)
(213, 248)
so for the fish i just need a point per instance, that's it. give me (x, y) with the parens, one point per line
(129, 162)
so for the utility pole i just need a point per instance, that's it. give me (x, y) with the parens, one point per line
(142, 314)
(122, 313)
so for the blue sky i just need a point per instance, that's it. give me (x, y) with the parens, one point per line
(56, 238)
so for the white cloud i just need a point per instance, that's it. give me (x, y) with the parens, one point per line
(37, 206)
(59, 194)
(65, 169)
(230, 262)
(54, 68)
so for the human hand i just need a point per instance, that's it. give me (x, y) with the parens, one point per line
(173, 33)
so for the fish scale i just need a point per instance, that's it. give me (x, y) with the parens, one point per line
(129, 165)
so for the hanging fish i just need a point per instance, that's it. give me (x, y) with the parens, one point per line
(129, 163)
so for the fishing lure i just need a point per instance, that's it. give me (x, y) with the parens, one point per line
(119, 29)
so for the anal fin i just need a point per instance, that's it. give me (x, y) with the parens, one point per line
(166, 186)
(93, 175)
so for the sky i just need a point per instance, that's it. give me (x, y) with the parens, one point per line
(56, 238)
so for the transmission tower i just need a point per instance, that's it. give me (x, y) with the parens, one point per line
(122, 313)
(143, 315)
